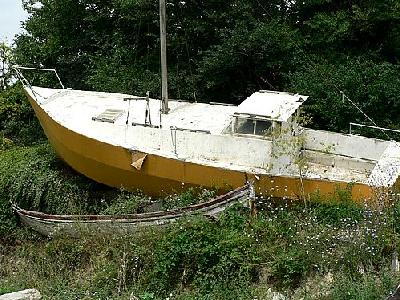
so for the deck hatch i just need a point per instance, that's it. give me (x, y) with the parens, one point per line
(109, 115)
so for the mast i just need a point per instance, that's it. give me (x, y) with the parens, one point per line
(164, 71)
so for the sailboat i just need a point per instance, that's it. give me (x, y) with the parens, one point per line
(162, 145)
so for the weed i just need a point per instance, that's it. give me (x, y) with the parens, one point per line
(186, 198)
(126, 203)
(372, 286)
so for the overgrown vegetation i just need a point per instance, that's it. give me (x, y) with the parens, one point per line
(35, 178)
(321, 249)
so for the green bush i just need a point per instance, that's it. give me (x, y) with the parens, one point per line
(205, 254)
(337, 208)
(125, 203)
(371, 286)
(34, 178)
(290, 267)
(8, 221)
(17, 120)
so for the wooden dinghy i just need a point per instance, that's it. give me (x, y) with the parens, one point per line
(75, 225)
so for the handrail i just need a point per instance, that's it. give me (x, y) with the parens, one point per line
(16, 67)
(373, 127)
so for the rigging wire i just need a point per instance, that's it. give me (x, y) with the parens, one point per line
(263, 8)
(341, 92)
(344, 96)
(347, 98)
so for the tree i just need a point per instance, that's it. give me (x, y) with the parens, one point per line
(5, 61)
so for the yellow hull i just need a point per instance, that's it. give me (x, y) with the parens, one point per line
(111, 165)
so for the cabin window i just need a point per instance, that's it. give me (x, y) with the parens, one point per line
(262, 127)
(109, 115)
(244, 126)
(252, 126)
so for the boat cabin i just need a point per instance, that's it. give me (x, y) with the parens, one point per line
(264, 113)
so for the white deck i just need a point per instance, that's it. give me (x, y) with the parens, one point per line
(330, 156)
(72, 107)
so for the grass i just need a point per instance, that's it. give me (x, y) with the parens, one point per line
(330, 249)
(236, 257)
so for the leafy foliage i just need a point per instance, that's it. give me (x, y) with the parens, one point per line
(206, 254)
(375, 84)
(188, 197)
(17, 121)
